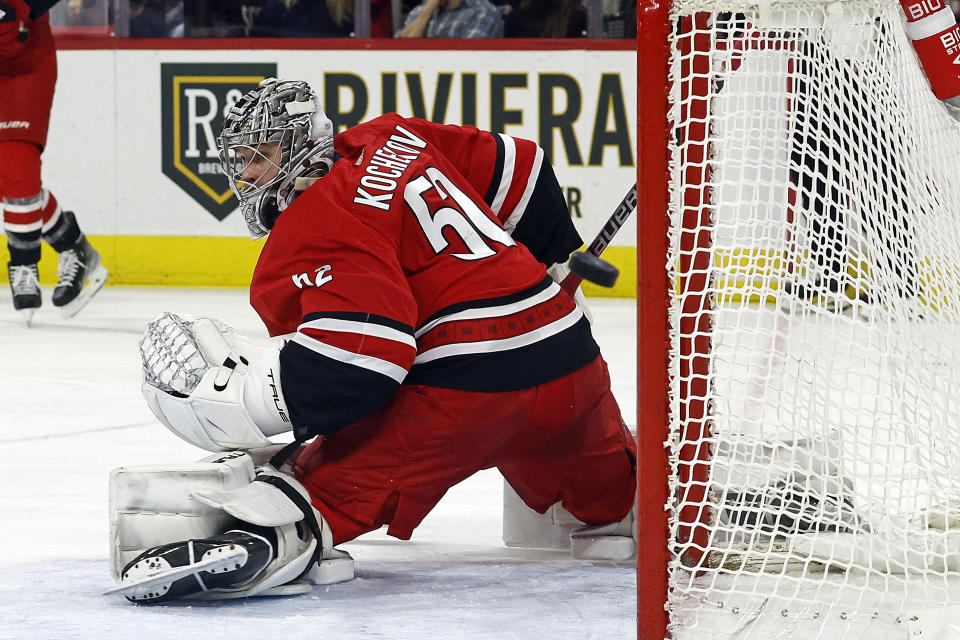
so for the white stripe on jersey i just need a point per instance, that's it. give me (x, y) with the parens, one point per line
(28, 205)
(506, 176)
(369, 363)
(49, 224)
(514, 218)
(493, 312)
(22, 228)
(362, 328)
(504, 344)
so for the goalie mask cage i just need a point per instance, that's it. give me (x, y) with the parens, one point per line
(798, 325)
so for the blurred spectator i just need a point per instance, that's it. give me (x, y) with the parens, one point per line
(304, 19)
(453, 19)
(213, 19)
(175, 19)
(619, 19)
(955, 6)
(628, 11)
(148, 19)
(544, 19)
(381, 19)
(82, 12)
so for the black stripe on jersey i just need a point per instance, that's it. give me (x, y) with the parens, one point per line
(497, 172)
(545, 227)
(40, 7)
(324, 395)
(513, 369)
(360, 316)
(491, 302)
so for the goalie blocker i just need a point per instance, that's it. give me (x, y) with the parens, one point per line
(217, 528)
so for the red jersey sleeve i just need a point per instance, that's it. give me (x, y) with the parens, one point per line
(343, 283)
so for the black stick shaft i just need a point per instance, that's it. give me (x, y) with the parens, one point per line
(613, 225)
(610, 229)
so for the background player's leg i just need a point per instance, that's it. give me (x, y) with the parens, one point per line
(28, 97)
(79, 272)
(23, 205)
(30, 213)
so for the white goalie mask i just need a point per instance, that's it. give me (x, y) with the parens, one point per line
(273, 136)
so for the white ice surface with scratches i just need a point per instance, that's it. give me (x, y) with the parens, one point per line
(71, 410)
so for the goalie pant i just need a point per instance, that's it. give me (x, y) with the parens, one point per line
(936, 37)
(562, 441)
(28, 77)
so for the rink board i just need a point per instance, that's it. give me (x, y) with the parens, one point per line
(136, 157)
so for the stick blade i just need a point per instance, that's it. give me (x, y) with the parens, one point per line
(593, 269)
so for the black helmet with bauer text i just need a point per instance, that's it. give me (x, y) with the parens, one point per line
(275, 140)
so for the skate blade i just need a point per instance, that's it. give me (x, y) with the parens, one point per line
(28, 315)
(95, 281)
(144, 585)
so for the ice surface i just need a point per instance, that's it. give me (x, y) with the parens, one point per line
(71, 410)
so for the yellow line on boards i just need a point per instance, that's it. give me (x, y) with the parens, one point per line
(164, 260)
(181, 261)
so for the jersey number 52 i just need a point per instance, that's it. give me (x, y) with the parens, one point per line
(457, 210)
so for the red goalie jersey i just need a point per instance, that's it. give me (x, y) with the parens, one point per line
(399, 267)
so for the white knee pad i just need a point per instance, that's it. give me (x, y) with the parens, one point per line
(154, 505)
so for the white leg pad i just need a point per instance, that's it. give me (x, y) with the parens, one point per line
(604, 543)
(523, 527)
(151, 505)
(613, 542)
(155, 505)
(336, 566)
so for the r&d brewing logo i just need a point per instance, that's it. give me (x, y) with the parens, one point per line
(195, 100)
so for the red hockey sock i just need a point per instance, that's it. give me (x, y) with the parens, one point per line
(19, 169)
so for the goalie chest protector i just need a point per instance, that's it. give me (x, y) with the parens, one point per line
(397, 234)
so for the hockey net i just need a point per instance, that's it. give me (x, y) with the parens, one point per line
(812, 185)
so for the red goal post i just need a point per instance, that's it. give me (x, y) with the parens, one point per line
(653, 326)
(653, 410)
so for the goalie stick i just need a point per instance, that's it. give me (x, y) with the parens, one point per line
(587, 265)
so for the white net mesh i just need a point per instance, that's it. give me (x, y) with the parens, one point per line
(815, 440)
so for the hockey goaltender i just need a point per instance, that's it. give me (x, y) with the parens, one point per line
(417, 339)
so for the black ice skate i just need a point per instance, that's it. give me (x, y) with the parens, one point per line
(77, 265)
(192, 567)
(25, 286)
